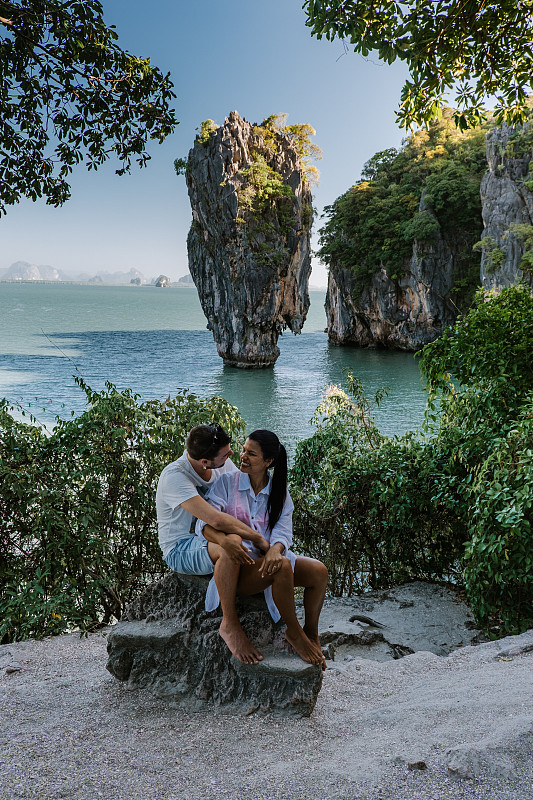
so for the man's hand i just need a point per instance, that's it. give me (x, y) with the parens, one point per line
(237, 552)
(272, 561)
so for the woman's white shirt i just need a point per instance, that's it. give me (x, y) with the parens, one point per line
(233, 494)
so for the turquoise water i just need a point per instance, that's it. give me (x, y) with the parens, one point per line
(155, 342)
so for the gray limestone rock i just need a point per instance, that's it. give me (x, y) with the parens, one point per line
(403, 313)
(251, 271)
(167, 643)
(491, 755)
(506, 200)
(381, 626)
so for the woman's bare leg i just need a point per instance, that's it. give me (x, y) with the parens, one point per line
(251, 582)
(313, 576)
(226, 579)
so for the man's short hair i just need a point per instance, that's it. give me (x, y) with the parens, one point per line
(204, 441)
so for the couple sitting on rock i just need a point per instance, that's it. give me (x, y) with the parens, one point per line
(242, 537)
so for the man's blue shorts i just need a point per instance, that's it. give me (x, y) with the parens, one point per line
(190, 557)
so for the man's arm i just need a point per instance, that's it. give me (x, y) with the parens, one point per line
(235, 549)
(221, 521)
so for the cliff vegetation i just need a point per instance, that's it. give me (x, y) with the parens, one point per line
(426, 190)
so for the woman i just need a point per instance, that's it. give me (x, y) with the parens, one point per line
(263, 503)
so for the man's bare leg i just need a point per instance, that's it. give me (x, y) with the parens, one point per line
(226, 579)
(313, 576)
(250, 582)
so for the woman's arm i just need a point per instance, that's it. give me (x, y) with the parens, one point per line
(205, 512)
(213, 513)
(280, 539)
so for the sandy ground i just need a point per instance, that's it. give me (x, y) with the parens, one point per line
(399, 729)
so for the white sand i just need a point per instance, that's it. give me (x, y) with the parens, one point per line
(70, 730)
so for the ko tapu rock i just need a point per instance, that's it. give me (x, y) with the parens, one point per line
(249, 242)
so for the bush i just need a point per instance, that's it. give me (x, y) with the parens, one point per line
(366, 505)
(79, 533)
(498, 572)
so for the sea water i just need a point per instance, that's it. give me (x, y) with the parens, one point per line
(155, 342)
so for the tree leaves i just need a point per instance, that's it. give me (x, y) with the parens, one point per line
(475, 49)
(70, 94)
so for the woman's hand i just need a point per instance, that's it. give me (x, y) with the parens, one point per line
(272, 561)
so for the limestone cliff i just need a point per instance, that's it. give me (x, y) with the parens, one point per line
(408, 305)
(507, 201)
(249, 242)
(402, 313)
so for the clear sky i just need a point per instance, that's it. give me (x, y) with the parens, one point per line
(254, 57)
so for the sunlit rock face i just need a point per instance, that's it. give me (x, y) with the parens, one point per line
(506, 201)
(251, 269)
(407, 312)
(402, 313)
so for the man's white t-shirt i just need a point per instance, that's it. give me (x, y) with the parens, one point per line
(177, 483)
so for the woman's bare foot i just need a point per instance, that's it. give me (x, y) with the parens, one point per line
(239, 644)
(307, 650)
(312, 635)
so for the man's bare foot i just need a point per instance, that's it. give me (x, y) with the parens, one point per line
(307, 650)
(239, 644)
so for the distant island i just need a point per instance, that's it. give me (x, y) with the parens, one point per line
(24, 271)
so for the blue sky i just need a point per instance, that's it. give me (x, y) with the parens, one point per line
(254, 57)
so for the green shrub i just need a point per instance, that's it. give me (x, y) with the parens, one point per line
(481, 372)
(207, 129)
(451, 502)
(365, 504)
(498, 572)
(79, 533)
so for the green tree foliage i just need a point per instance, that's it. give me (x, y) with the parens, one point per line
(481, 374)
(70, 94)
(268, 208)
(265, 194)
(299, 136)
(474, 49)
(494, 256)
(524, 234)
(79, 537)
(456, 502)
(375, 223)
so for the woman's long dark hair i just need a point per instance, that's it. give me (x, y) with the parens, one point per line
(271, 447)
